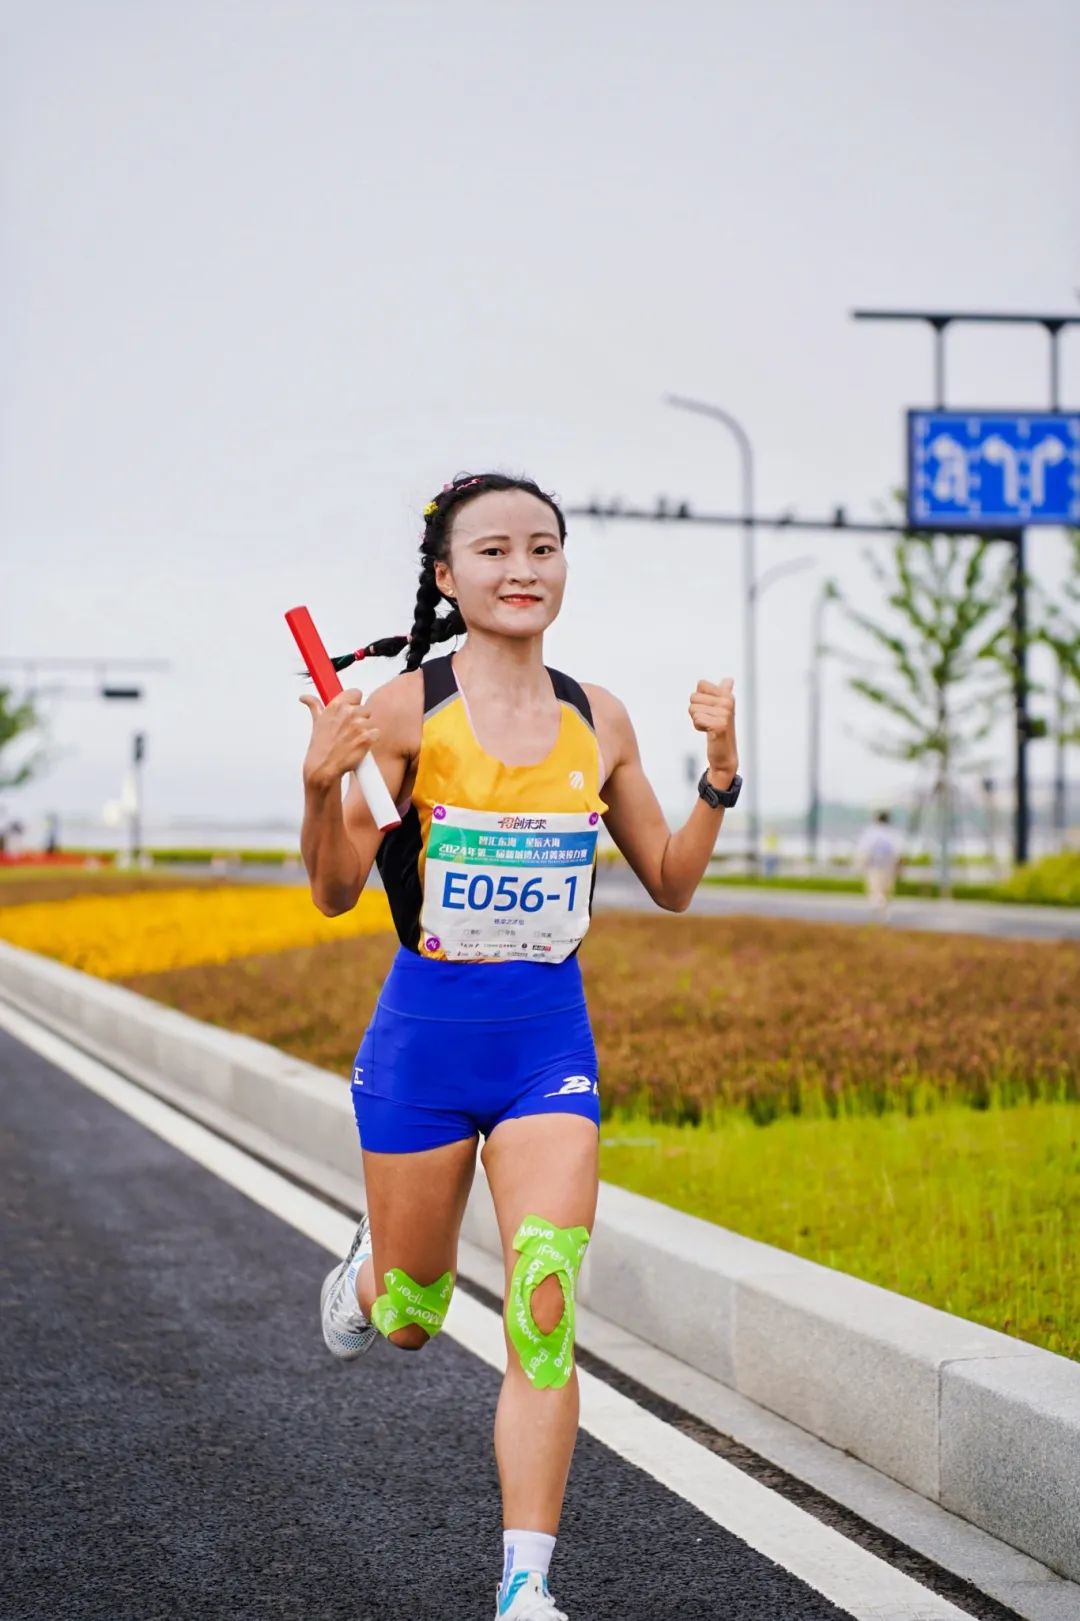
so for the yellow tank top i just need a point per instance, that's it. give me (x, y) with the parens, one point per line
(494, 862)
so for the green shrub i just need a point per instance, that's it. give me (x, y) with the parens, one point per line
(1055, 880)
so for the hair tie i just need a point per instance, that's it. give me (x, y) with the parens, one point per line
(433, 506)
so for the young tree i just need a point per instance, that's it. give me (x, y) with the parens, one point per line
(18, 717)
(947, 651)
(1060, 632)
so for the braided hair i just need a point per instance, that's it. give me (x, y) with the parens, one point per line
(429, 626)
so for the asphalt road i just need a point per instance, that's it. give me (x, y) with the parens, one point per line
(177, 1443)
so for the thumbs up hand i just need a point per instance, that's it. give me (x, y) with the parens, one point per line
(712, 710)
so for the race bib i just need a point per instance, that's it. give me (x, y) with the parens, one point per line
(507, 886)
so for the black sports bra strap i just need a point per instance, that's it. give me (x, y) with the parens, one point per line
(439, 682)
(568, 691)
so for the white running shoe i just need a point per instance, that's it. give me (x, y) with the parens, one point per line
(527, 1599)
(345, 1329)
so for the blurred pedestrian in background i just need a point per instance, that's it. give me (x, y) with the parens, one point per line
(10, 836)
(878, 854)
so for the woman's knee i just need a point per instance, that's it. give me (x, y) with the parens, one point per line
(410, 1338)
(548, 1305)
(411, 1313)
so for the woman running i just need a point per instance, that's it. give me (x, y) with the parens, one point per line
(501, 769)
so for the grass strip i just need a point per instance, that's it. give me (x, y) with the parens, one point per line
(772, 1017)
(967, 1210)
(1053, 881)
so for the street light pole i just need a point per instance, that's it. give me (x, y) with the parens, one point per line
(750, 732)
(1060, 780)
(109, 689)
(813, 812)
(1020, 689)
(138, 755)
(827, 592)
(777, 572)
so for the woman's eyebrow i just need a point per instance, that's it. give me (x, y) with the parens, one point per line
(537, 534)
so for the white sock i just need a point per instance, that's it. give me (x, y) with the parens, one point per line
(526, 1550)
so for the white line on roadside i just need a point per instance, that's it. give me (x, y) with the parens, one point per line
(858, 1582)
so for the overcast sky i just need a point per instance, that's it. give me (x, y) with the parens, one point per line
(273, 272)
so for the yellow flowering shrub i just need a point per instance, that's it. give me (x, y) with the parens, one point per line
(115, 936)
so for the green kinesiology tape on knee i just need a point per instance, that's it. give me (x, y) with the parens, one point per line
(407, 1301)
(544, 1251)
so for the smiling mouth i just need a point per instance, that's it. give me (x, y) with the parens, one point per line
(519, 597)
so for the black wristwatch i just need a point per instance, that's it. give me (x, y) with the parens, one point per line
(712, 796)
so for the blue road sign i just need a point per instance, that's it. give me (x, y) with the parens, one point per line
(979, 470)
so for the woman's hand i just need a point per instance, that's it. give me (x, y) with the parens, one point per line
(341, 735)
(712, 710)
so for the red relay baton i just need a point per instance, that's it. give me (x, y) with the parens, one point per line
(328, 684)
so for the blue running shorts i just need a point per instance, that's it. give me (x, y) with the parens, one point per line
(455, 1047)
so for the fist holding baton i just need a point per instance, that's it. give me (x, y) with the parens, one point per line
(341, 731)
(342, 735)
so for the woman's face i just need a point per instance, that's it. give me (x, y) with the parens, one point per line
(506, 567)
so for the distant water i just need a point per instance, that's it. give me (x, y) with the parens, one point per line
(182, 832)
(191, 832)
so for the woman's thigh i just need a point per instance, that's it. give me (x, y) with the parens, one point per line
(415, 1203)
(543, 1165)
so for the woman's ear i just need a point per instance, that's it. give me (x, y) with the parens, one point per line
(444, 579)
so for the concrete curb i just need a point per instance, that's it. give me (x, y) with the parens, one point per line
(975, 1420)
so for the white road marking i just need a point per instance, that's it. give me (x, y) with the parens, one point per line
(856, 1581)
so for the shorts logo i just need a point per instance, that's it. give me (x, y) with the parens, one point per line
(358, 1075)
(573, 1085)
(577, 779)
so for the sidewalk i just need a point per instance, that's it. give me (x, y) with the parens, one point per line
(616, 887)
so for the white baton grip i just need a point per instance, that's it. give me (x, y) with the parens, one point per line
(369, 780)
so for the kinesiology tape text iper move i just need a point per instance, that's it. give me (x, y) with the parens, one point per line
(545, 1251)
(407, 1301)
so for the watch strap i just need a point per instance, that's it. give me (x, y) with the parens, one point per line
(717, 797)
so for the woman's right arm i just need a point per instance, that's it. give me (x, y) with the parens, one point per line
(339, 839)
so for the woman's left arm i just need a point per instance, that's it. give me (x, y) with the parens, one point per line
(670, 865)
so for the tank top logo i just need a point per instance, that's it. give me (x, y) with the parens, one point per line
(577, 779)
